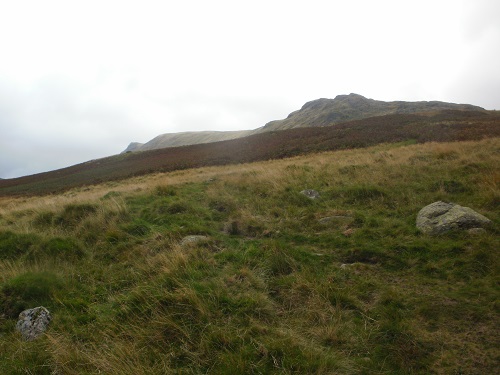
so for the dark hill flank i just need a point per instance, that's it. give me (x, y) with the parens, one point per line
(439, 126)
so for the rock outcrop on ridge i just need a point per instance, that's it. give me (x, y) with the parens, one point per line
(319, 112)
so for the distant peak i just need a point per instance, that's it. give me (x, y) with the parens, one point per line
(350, 96)
(321, 102)
(316, 103)
(133, 146)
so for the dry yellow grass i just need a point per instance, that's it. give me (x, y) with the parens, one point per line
(274, 174)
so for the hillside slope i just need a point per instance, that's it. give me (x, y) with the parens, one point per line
(280, 284)
(133, 146)
(439, 127)
(187, 138)
(320, 112)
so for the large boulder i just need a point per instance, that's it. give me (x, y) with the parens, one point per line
(33, 322)
(440, 217)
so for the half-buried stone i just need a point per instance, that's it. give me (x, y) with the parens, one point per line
(441, 217)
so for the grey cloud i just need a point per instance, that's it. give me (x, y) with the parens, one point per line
(478, 81)
(50, 126)
(481, 17)
(56, 123)
(225, 112)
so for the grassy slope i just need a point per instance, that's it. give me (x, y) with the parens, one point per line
(273, 291)
(192, 138)
(441, 127)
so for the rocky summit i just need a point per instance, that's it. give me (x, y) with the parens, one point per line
(319, 112)
(325, 112)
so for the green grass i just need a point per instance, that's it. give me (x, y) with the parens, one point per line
(273, 290)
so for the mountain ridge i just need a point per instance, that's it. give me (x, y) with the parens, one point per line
(326, 112)
(319, 112)
(442, 126)
(186, 138)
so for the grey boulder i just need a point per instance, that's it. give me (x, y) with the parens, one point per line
(33, 322)
(441, 217)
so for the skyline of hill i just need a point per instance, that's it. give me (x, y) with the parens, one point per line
(319, 112)
(442, 126)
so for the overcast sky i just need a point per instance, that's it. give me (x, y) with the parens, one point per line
(80, 80)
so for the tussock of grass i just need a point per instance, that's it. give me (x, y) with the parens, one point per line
(275, 289)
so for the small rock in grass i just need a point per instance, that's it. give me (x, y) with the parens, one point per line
(193, 240)
(33, 322)
(312, 194)
(355, 267)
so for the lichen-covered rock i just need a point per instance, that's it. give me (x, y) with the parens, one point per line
(309, 193)
(33, 322)
(440, 217)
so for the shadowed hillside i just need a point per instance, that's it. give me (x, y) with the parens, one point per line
(442, 126)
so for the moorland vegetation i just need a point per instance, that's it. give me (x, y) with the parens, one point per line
(275, 288)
